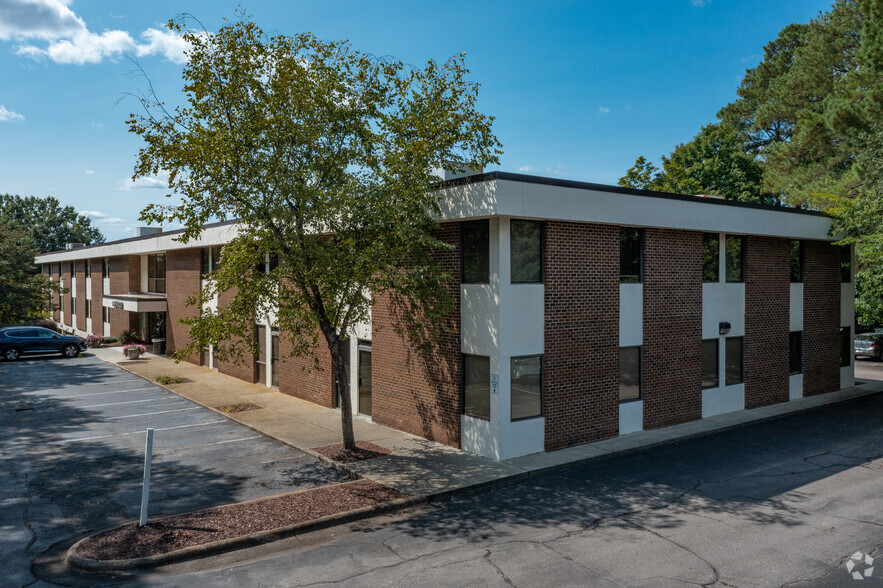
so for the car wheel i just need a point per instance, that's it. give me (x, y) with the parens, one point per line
(70, 351)
(11, 354)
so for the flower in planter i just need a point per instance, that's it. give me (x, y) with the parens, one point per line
(134, 349)
(94, 340)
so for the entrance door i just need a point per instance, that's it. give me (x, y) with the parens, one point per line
(365, 380)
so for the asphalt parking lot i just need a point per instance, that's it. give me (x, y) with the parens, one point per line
(72, 435)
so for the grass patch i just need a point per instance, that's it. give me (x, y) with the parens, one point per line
(164, 379)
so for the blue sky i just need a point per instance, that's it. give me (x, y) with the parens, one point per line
(578, 89)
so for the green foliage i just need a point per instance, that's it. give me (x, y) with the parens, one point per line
(714, 162)
(324, 154)
(129, 337)
(24, 295)
(165, 379)
(50, 225)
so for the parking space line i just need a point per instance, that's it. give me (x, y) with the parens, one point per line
(109, 392)
(131, 416)
(127, 402)
(235, 440)
(142, 432)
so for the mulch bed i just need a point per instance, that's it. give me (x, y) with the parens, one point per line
(181, 381)
(215, 524)
(238, 407)
(364, 450)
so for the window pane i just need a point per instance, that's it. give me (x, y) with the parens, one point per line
(710, 257)
(733, 252)
(630, 373)
(476, 252)
(734, 360)
(796, 353)
(260, 333)
(526, 248)
(88, 268)
(847, 347)
(216, 257)
(206, 256)
(796, 261)
(274, 351)
(527, 387)
(710, 372)
(477, 386)
(629, 255)
(846, 264)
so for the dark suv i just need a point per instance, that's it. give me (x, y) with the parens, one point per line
(17, 341)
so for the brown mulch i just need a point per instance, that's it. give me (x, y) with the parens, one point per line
(238, 407)
(215, 524)
(364, 450)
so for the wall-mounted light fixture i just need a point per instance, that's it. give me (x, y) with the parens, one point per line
(724, 328)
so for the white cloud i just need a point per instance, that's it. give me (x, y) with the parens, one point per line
(9, 116)
(89, 172)
(101, 217)
(69, 39)
(97, 125)
(559, 170)
(158, 182)
(603, 110)
(526, 168)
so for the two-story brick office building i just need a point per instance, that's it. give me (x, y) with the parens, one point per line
(584, 312)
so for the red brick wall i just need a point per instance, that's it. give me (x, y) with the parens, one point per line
(244, 370)
(767, 320)
(125, 277)
(299, 377)
(56, 312)
(420, 392)
(183, 277)
(97, 297)
(581, 364)
(69, 295)
(672, 386)
(80, 267)
(821, 318)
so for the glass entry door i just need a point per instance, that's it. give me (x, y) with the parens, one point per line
(365, 380)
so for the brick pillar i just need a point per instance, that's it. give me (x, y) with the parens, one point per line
(581, 363)
(419, 392)
(672, 385)
(97, 296)
(80, 267)
(243, 370)
(821, 318)
(183, 280)
(767, 320)
(56, 277)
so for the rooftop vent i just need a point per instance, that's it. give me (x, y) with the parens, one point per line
(446, 174)
(74, 245)
(144, 231)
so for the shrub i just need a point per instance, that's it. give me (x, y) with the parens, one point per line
(111, 340)
(164, 379)
(94, 340)
(130, 336)
(46, 324)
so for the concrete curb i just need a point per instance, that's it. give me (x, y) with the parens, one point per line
(251, 540)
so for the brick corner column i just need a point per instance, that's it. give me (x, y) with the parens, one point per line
(821, 318)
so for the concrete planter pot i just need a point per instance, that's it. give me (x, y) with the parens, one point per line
(133, 353)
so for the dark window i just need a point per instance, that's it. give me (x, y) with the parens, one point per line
(73, 305)
(847, 347)
(274, 359)
(735, 253)
(796, 261)
(206, 261)
(475, 245)
(274, 261)
(846, 264)
(156, 273)
(526, 387)
(105, 268)
(88, 268)
(88, 308)
(710, 371)
(734, 360)
(629, 373)
(477, 386)
(260, 362)
(526, 251)
(795, 362)
(630, 255)
(105, 314)
(711, 261)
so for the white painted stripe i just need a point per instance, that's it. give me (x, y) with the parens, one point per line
(127, 402)
(142, 432)
(109, 392)
(235, 440)
(132, 416)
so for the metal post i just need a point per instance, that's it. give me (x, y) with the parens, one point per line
(145, 487)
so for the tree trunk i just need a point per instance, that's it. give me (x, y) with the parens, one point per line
(343, 387)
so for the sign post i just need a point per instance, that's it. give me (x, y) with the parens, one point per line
(145, 486)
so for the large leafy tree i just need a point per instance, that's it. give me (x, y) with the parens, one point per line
(25, 295)
(324, 154)
(714, 162)
(50, 225)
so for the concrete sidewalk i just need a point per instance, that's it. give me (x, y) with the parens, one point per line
(417, 466)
